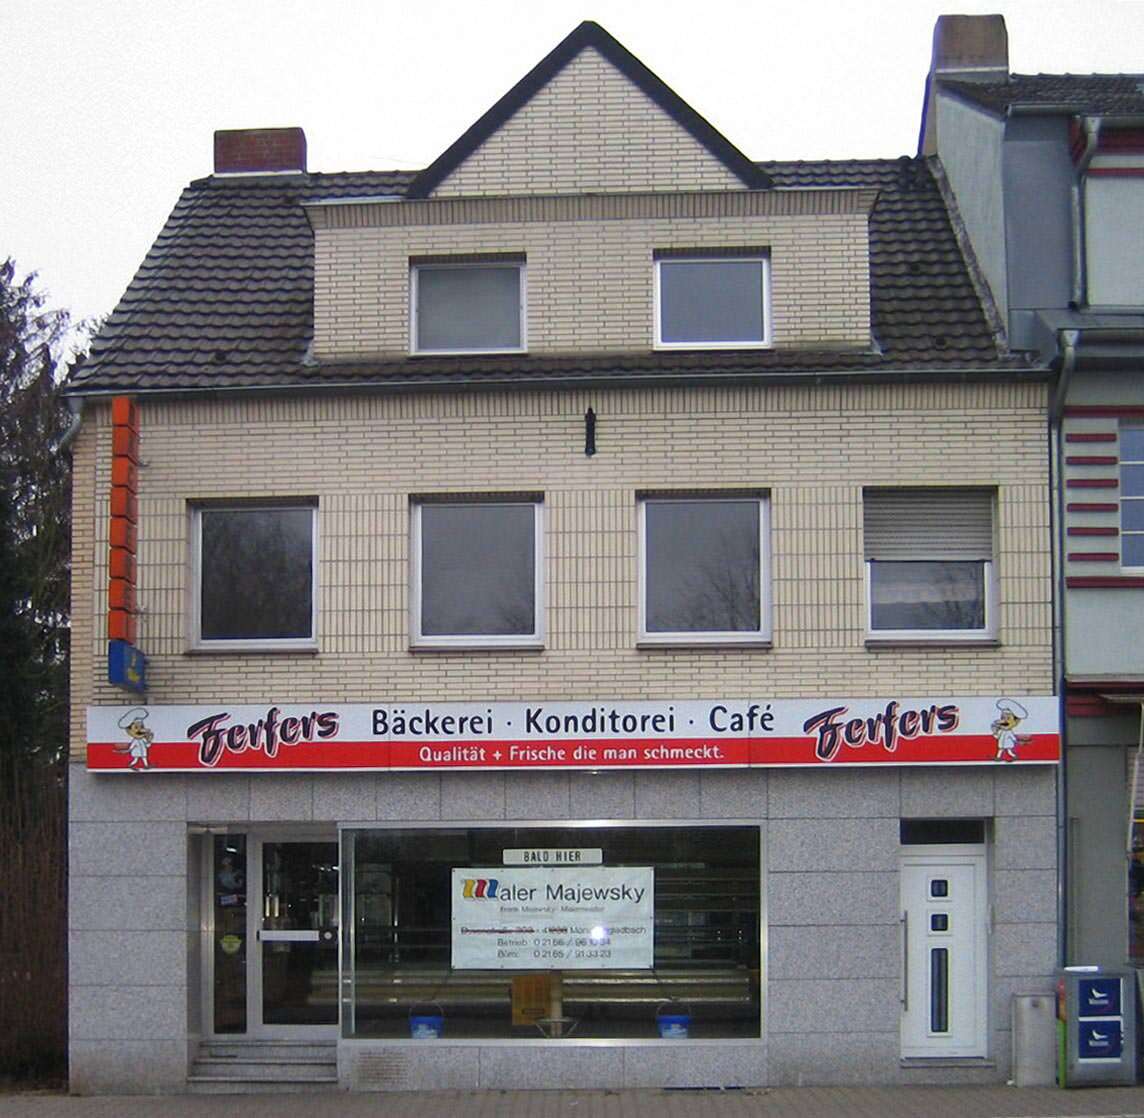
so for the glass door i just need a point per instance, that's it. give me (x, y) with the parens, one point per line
(229, 934)
(293, 972)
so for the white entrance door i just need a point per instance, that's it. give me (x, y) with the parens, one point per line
(945, 951)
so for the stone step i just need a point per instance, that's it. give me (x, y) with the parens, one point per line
(268, 1049)
(271, 1068)
(241, 1066)
(200, 1085)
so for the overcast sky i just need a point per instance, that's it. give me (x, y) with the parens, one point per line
(110, 105)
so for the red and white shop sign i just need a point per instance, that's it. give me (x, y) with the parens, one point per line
(694, 733)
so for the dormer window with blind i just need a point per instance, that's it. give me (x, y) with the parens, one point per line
(470, 304)
(706, 300)
(929, 564)
(1114, 221)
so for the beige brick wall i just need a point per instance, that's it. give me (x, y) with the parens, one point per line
(590, 267)
(590, 128)
(812, 448)
(91, 474)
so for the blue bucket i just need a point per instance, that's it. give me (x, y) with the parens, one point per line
(673, 1026)
(426, 1026)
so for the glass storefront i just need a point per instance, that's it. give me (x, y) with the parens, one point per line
(228, 899)
(696, 972)
(274, 933)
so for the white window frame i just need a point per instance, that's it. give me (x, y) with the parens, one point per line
(535, 639)
(986, 634)
(1121, 460)
(760, 636)
(938, 636)
(415, 270)
(714, 257)
(249, 644)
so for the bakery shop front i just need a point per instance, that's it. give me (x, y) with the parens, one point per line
(392, 921)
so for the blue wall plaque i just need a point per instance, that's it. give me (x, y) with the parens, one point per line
(126, 666)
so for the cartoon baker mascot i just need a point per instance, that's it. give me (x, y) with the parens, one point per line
(133, 722)
(1004, 729)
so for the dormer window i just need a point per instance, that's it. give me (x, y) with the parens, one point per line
(712, 300)
(467, 305)
(1114, 229)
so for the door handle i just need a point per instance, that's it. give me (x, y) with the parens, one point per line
(905, 995)
(301, 935)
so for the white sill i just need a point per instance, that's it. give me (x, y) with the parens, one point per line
(703, 640)
(253, 648)
(462, 352)
(714, 345)
(476, 644)
(930, 640)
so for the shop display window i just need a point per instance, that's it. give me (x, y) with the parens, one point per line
(403, 968)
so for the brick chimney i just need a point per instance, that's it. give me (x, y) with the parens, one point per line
(968, 49)
(259, 151)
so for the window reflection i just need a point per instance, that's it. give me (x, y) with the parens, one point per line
(706, 934)
(702, 566)
(256, 580)
(927, 595)
(478, 570)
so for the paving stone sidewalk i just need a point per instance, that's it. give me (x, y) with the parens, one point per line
(758, 1102)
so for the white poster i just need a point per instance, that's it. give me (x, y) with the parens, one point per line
(588, 918)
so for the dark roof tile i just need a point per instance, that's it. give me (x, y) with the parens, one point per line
(1108, 94)
(224, 299)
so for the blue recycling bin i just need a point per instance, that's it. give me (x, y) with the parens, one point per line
(1096, 1015)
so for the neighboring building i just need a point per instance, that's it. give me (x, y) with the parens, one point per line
(596, 592)
(1048, 174)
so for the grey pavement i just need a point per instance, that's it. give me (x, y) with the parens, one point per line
(773, 1102)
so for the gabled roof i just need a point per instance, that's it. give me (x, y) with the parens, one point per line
(224, 299)
(588, 35)
(1096, 94)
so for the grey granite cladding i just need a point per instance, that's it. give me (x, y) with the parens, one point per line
(830, 892)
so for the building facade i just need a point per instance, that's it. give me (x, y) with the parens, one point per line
(1046, 173)
(578, 614)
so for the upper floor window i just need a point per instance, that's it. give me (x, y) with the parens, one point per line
(929, 563)
(1114, 232)
(702, 577)
(469, 306)
(1132, 496)
(255, 570)
(477, 572)
(714, 301)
